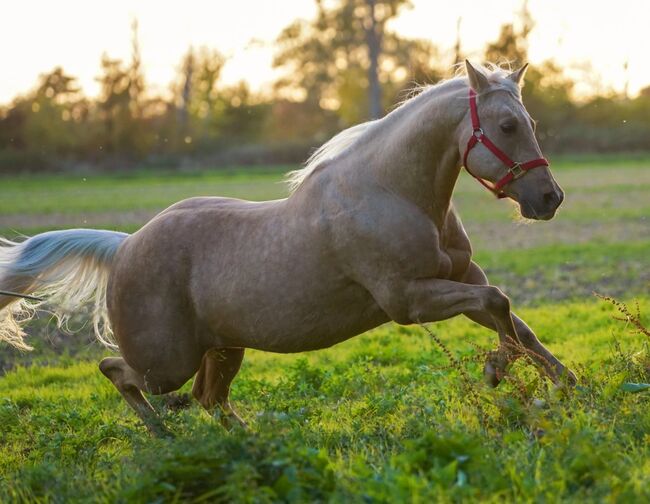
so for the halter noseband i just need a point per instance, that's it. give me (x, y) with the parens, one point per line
(515, 169)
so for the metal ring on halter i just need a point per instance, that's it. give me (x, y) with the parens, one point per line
(517, 171)
(478, 133)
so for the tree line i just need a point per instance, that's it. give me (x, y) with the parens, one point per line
(340, 68)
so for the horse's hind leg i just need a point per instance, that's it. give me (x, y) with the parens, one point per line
(130, 384)
(212, 383)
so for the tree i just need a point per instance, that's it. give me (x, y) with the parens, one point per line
(121, 104)
(45, 120)
(374, 29)
(346, 53)
(136, 78)
(512, 44)
(115, 106)
(55, 103)
(240, 115)
(196, 94)
(546, 93)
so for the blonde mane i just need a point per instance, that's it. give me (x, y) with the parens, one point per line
(346, 139)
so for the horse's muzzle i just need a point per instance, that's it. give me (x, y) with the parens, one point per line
(544, 208)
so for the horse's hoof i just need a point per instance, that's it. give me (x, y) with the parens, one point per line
(495, 367)
(491, 375)
(230, 420)
(566, 379)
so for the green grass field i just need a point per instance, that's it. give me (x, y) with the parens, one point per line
(385, 417)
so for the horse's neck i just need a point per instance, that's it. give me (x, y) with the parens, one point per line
(415, 151)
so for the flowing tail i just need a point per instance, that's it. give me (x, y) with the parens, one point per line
(66, 268)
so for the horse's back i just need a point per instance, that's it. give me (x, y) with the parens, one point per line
(207, 203)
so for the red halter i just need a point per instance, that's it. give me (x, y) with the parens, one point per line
(515, 169)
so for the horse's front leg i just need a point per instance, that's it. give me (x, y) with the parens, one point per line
(432, 300)
(496, 362)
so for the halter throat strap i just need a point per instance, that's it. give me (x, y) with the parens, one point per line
(515, 169)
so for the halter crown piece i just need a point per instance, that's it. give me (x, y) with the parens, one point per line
(515, 169)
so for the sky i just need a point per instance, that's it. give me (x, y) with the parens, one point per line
(589, 37)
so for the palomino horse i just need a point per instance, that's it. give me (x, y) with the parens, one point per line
(368, 235)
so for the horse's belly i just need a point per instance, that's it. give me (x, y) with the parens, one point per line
(297, 321)
(317, 337)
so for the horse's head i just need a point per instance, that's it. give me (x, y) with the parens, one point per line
(502, 151)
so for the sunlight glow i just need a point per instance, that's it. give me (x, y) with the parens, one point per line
(594, 40)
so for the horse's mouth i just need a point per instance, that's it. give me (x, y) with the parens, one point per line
(529, 212)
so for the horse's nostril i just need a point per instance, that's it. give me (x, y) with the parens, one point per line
(551, 197)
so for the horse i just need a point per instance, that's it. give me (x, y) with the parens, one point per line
(367, 235)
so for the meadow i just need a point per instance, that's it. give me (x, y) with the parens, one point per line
(393, 415)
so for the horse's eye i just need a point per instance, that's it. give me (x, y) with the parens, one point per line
(508, 127)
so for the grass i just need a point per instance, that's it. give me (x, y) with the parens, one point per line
(132, 191)
(379, 418)
(565, 272)
(383, 417)
(620, 191)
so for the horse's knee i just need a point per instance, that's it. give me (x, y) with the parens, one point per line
(122, 376)
(113, 368)
(496, 301)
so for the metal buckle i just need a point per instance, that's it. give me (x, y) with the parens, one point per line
(516, 170)
(478, 134)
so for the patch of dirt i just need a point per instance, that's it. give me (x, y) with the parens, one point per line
(521, 235)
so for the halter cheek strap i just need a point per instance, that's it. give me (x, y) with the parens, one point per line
(515, 169)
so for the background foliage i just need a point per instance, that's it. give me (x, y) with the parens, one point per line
(342, 67)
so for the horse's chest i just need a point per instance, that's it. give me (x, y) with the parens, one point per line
(455, 250)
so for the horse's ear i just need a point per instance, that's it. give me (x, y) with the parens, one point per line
(477, 79)
(518, 75)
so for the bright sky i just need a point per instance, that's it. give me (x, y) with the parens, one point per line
(38, 35)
